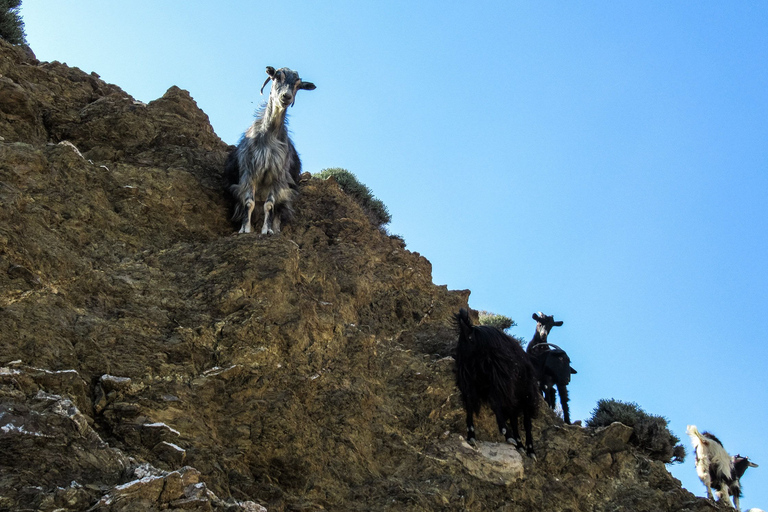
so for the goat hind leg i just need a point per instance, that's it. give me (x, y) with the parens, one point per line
(562, 390)
(723, 495)
(528, 424)
(470, 427)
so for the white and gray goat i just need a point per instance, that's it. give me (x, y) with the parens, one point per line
(716, 469)
(265, 165)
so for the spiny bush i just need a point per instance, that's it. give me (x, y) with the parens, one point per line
(373, 207)
(650, 432)
(11, 24)
(499, 321)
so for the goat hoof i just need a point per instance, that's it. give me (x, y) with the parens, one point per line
(511, 440)
(472, 441)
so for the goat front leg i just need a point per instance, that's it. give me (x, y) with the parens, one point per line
(501, 422)
(513, 424)
(249, 204)
(277, 218)
(269, 213)
(549, 395)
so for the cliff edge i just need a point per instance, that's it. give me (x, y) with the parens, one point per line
(150, 359)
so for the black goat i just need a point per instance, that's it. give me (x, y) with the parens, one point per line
(552, 364)
(492, 368)
(265, 165)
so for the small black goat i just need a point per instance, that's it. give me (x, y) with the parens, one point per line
(265, 165)
(492, 368)
(716, 469)
(552, 364)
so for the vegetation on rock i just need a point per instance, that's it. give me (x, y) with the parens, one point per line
(375, 209)
(11, 24)
(651, 433)
(492, 319)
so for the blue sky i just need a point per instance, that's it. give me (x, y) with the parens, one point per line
(604, 162)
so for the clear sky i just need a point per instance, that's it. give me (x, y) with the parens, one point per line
(604, 162)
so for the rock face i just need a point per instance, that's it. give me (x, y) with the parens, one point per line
(152, 360)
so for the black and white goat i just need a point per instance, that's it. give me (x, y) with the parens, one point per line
(552, 364)
(493, 369)
(716, 469)
(265, 165)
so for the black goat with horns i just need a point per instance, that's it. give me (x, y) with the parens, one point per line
(492, 368)
(552, 364)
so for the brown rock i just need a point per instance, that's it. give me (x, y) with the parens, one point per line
(306, 371)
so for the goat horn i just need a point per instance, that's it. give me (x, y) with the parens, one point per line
(261, 91)
(542, 346)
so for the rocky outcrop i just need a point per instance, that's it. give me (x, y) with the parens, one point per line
(152, 360)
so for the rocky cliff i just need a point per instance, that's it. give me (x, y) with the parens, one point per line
(150, 359)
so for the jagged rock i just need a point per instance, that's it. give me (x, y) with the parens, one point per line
(305, 371)
(171, 454)
(614, 438)
(496, 463)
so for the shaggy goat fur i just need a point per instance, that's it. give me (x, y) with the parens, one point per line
(552, 364)
(493, 369)
(265, 165)
(715, 467)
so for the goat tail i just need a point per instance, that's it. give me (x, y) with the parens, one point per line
(695, 435)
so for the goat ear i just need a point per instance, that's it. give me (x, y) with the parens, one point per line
(573, 371)
(558, 323)
(307, 86)
(271, 71)
(536, 317)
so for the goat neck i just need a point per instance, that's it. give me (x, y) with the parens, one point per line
(539, 337)
(273, 118)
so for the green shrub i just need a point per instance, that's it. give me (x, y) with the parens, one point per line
(650, 432)
(11, 24)
(500, 322)
(373, 207)
(492, 319)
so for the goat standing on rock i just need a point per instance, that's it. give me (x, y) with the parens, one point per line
(493, 368)
(553, 366)
(716, 469)
(265, 165)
